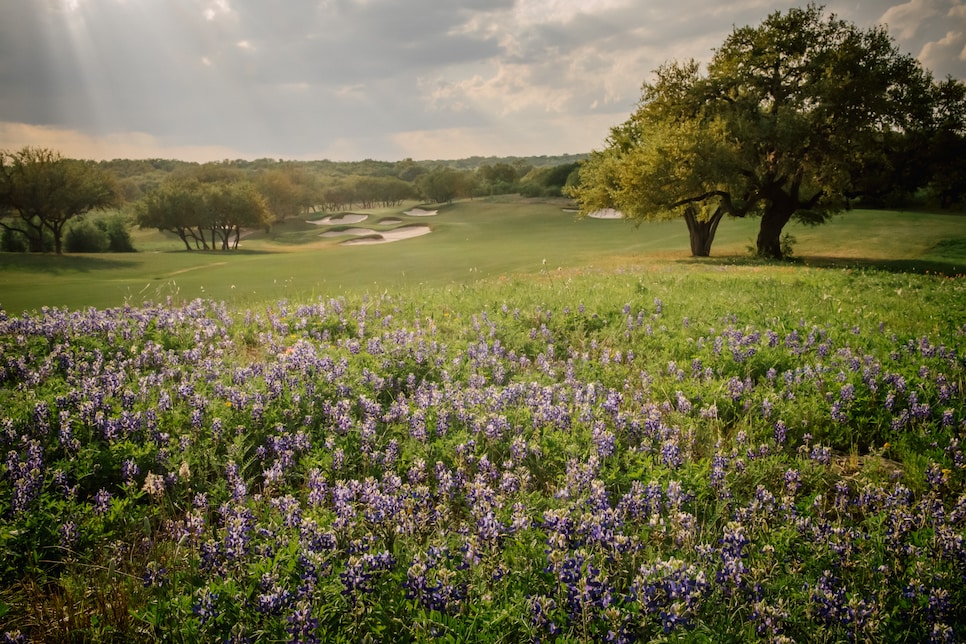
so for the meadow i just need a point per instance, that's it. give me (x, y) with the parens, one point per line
(450, 439)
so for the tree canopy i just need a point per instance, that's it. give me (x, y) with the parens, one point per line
(210, 201)
(788, 121)
(40, 191)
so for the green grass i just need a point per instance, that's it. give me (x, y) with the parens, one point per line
(811, 412)
(471, 240)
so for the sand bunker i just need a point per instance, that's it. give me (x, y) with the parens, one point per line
(355, 232)
(347, 218)
(386, 236)
(390, 221)
(607, 213)
(419, 212)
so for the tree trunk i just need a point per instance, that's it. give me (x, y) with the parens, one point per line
(777, 214)
(184, 237)
(702, 232)
(58, 232)
(36, 244)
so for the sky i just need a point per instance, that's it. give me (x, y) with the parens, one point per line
(347, 80)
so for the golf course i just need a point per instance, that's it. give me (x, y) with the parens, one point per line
(469, 240)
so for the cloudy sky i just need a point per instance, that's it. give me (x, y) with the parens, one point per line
(382, 79)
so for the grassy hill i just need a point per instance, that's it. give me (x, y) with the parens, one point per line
(449, 439)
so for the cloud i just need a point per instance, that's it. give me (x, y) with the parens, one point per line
(554, 135)
(933, 31)
(936, 54)
(302, 77)
(905, 20)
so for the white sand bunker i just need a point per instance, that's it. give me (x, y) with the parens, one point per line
(346, 218)
(607, 213)
(390, 221)
(386, 236)
(355, 232)
(419, 212)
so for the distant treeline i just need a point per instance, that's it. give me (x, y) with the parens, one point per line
(43, 196)
(334, 185)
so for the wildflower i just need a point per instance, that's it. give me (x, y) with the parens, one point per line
(68, 534)
(155, 575)
(205, 606)
(102, 502)
(153, 484)
(780, 433)
(129, 469)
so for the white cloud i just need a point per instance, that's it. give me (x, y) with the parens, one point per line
(216, 9)
(934, 54)
(934, 29)
(905, 19)
(510, 89)
(543, 11)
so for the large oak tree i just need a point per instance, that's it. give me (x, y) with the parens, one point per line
(787, 121)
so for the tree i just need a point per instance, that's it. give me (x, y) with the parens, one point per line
(177, 206)
(947, 145)
(442, 185)
(387, 191)
(40, 191)
(781, 126)
(231, 206)
(209, 201)
(288, 191)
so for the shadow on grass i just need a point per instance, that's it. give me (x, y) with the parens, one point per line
(954, 267)
(948, 267)
(57, 264)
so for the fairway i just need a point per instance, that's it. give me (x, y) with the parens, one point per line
(469, 241)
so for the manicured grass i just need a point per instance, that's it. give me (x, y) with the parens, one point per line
(471, 240)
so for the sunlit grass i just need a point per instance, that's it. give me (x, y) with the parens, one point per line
(528, 451)
(471, 240)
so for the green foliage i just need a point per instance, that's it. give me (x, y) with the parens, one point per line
(207, 206)
(86, 237)
(118, 234)
(13, 241)
(792, 118)
(40, 192)
(105, 234)
(443, 185)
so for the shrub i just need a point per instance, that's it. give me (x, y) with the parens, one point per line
(85, 237)
(13, 242)
(109, 235)
(118, 235)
